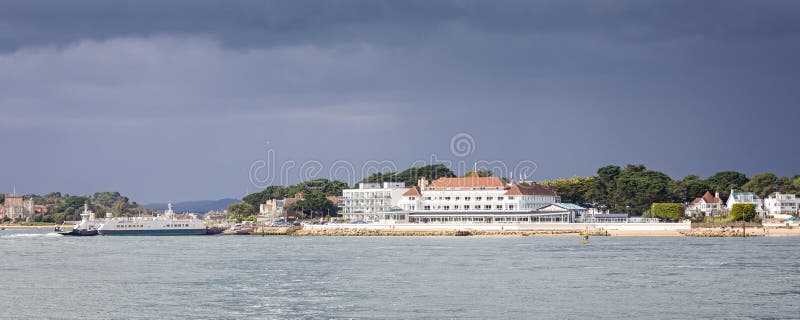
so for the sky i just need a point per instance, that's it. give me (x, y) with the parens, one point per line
(189, 100)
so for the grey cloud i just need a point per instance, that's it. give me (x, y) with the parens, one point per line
(266, 23)
(176, 99)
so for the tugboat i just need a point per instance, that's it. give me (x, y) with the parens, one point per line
(86, 227)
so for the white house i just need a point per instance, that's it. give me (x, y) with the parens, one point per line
(370, 199)
(707, 205)
(744, 197)
(781, 203)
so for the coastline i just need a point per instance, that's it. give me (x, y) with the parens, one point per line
(501, 231)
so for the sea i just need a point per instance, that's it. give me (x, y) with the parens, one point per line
(48, 276)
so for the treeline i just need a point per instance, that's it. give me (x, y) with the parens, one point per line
(314, 198)
(634, 188)
(65, 207)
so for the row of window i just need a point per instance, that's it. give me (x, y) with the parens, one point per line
(466, 207)
(465, 198)
(470, 188)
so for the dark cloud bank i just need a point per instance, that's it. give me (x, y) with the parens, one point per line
(176, 100)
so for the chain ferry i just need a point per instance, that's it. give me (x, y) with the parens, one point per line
(163, 225)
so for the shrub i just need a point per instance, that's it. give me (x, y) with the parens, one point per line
(742, 211)
(667, 211)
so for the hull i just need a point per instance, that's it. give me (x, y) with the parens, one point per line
(80, 233)
(156, 232)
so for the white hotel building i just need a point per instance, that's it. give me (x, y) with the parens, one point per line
(366, 202)
(474, 199)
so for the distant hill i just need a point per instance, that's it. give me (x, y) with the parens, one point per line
(198, 206)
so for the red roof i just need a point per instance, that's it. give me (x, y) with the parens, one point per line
(468, 182)
(530, 190)
(414, 191)
(708, 199)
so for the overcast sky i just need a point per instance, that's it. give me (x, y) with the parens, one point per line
(182, 100)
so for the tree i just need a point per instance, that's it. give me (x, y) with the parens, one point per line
(481, 173)
(605, 186)
(724, 181)
(412, 175)
(667, 211)
(637, 188)
(742, 211)
(573, 190)
(689, 188)
(314, 203)
(762, 184)
(240, 211)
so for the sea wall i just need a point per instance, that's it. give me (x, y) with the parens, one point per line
(550, 227)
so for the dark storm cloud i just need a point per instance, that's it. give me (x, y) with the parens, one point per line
(259, 23)
(141, 92)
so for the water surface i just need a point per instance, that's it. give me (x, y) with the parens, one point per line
(49, 276)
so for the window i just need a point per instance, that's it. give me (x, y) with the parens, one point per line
(500, 198)
(447, 207)
(489, 198)
(499, 207)
(458, 198)
(477, 198)
(447, 198)
(427, 208)
(456, 207)
(467, 198)
(487, 207)
(466, 207)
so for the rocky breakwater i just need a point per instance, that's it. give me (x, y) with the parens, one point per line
(723, 232)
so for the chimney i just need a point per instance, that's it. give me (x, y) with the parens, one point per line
(422, 183)
(716, 194)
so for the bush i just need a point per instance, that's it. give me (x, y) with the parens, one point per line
(742, 211)
(667, 211)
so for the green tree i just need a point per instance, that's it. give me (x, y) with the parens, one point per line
(315, 204)
(573, 190)
(667, 211)
(240, 211)
(481, 173)
(724, 181)
(762, 184)
(605, 186)
(689, 188)
(742, 211)
(412, 175)
(637, 188)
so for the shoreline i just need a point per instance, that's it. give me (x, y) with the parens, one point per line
(348, 231)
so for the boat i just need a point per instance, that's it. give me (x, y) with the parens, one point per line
(88, 226)
(163, 225)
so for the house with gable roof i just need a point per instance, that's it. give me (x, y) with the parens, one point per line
(706, 206)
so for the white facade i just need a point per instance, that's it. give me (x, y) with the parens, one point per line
(370, 199)
(479, 195)
(744, 197)
(781, 203)
(707, 205)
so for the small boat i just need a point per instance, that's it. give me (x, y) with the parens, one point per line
(85, 228)
(585, 237)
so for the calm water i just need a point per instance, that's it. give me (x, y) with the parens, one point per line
(46, 276)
